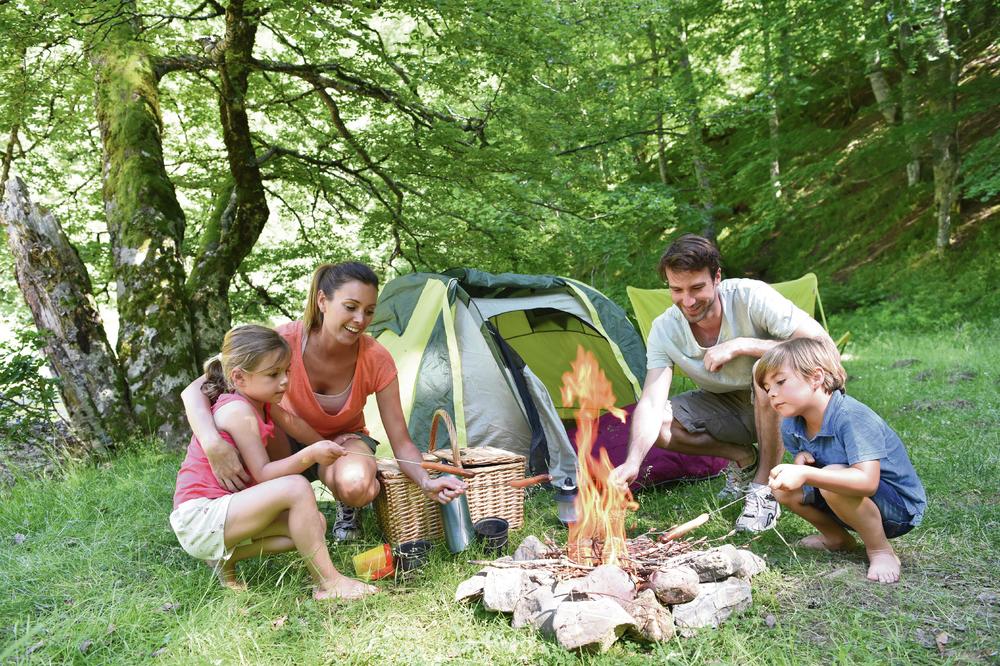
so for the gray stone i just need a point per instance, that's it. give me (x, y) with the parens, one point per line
(504, 587)
(676, 585)
(531, 548)
(591, 624)
(750, 564)
(606, 580)
(715, 564)
(536, 608)
(653, 622)
(713, 605)
(471, 588)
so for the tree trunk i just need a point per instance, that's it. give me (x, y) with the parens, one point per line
(241, 207)
(661, 143)
(909, 95)
(876, 46)
(146, 225)
(942, 77)
(773, 118)
(56, 286)
(699, 152)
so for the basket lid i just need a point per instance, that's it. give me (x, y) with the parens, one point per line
(480, 456)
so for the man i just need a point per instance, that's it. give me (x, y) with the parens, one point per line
(715, 332)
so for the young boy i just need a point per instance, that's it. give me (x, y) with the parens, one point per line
(850, 470)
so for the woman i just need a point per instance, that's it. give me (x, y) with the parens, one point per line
(334, 368)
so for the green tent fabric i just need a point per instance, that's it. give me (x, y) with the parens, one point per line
(491, 349)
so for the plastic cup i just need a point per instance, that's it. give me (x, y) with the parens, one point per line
(412, 555)
(375, 563)
(492, 533)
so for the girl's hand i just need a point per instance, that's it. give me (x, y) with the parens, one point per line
(326, 452)
(226, 464)
(444, 488)
(804, 458)
(788, 477)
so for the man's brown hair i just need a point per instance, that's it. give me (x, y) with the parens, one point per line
(690, 253)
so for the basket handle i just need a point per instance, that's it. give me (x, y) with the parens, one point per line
(441, 415)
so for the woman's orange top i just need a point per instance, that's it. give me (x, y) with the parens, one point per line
(374, 371)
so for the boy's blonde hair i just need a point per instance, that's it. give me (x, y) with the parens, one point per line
(804, 356)
(244, 347)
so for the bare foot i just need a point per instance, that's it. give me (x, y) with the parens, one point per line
(343, 588)
(226, 573)
(821, 542)
(883, 566)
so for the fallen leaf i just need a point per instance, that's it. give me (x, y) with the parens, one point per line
(279, 622)
(158, 652)
(942, 639)
(770, 621)
(112, 628)
(85, 646)
(34, 647)
(19, 539)
(169, 607)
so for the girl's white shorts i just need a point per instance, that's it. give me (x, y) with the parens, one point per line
(200, 527)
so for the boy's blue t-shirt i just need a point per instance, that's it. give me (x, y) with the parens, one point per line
(851, 433)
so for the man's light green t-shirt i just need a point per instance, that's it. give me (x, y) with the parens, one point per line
(750, 309)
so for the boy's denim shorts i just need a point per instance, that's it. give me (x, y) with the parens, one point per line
(896, 519)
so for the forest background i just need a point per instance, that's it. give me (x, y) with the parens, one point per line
(199, 159)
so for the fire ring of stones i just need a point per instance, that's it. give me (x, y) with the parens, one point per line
(664, 589)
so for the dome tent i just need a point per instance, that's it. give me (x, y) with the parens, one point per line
(491, 349)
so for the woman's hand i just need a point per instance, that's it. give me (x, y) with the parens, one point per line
(226, 464)
(443, 489)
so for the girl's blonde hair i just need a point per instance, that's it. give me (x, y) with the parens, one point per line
(804, 356)
(328, 278)
(244, 347)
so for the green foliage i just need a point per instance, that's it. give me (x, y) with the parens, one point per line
(981, 169)
(27, 395)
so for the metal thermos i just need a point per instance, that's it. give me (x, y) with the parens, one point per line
(457, 522)
(566, 502)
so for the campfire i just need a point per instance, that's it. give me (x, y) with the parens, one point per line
(602, 585)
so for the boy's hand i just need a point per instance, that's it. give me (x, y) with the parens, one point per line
(326, 452)
(804, 458)
(788, 477)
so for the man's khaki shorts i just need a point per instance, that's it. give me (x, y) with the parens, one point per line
(727, 417)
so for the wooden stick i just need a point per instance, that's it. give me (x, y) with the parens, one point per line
(447, 469)
(524, 483)
(684, 528)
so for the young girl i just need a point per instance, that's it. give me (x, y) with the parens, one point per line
(277, 511)
(850, 469)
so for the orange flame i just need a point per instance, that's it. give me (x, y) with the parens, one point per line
(598, 535)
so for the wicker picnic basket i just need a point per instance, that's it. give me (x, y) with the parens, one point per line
(405, 513)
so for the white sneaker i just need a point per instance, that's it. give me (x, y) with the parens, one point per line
(760, 512)
(347, 527)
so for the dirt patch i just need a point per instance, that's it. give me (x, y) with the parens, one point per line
(962, 376)
(39, 450)
(935, 405)
(923, 375)
(905, 363)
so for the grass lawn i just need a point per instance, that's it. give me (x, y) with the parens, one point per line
(90, 571)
